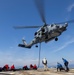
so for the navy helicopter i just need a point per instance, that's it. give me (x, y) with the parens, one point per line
(47, 32)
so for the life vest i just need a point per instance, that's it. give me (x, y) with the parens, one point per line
(6, 66)
(35, 67)
(12, 67)
(31, 66)
(44, 61)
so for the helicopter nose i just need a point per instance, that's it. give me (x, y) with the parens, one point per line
(66, 24)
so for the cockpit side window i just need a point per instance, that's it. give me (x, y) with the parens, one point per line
(35, 33)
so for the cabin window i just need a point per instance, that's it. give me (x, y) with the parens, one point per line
(57, 26)
(39, 34)
(35, 33)
(43, 30)
(51, 25)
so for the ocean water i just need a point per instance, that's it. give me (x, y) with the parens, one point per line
(71, 66)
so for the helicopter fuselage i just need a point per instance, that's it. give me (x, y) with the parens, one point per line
(45, 33)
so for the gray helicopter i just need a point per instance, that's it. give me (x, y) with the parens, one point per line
(47, 32)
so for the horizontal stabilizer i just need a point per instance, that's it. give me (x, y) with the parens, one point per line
(21, 45)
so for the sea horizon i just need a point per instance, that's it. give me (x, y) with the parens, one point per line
(71, 66)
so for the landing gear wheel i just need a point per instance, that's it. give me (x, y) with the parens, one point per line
(56, 39)
(36, 46)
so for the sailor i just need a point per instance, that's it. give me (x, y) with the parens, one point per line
(66, 64)
(44, 62)
(13, 68)
(59, 67)
(35, 67)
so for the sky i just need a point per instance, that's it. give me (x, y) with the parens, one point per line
(24, 13)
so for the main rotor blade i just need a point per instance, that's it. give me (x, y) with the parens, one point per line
(22, 27)
(40, 7)
(70, 21)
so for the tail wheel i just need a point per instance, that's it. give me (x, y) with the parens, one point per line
(36, 46)
(56, 39)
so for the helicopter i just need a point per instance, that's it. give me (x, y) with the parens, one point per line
(46, 32)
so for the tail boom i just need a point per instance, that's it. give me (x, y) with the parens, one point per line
(22, 45)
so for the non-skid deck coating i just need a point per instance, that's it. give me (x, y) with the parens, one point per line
(38, 72)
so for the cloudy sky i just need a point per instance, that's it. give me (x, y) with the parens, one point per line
(24, 12)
